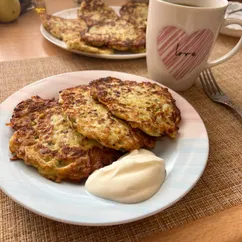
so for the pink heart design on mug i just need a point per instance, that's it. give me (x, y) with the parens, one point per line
(181, 53)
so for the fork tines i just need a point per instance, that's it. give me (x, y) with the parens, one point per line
(209, 84)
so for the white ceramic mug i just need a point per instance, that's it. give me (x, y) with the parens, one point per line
(180, 38)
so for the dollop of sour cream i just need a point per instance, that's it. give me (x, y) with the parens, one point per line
(133, 178)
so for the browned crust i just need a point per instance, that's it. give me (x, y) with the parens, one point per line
(69, 164)
(95, 11)
(147, 115)
(35, 142)
(27, 111)
(58, 26)
(93, 120)
(135, 13)
(108, 35)
(70, 31)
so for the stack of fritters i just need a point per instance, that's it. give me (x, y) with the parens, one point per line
(69, 30)
(106, 29)
(92, 119)
(100, 30)
(44, 139)
(91, 126)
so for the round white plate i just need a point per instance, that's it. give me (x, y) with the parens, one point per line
(185, 160)
(72, 14)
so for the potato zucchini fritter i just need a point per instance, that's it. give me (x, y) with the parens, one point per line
(93, 120)
(69, 30)
(43, 139)
(95, 11)
(135, 13)
(59, 27)
(119, 35)
(144, 105)
(100, 30)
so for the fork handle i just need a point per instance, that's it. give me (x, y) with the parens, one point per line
(236, 109)
(238, 112)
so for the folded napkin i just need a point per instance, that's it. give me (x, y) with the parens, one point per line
(234, 10)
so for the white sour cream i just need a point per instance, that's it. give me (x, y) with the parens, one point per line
(133, 178)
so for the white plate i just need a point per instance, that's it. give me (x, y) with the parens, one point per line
(185, 160)
(72, 14)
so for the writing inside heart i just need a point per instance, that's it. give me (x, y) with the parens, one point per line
(181, 53)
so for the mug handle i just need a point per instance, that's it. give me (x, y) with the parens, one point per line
(233, 51)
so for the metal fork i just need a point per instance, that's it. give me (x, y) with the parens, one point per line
(214, 92)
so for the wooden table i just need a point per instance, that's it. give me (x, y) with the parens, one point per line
(22, 39)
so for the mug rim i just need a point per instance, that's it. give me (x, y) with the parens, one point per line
(194, 8)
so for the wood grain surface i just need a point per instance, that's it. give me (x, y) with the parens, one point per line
(22, 39)
(225, 226)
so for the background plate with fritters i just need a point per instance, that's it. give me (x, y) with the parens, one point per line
(185, 161)
(72, 14)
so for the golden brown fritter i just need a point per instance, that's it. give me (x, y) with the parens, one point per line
(144, 105)
(74, 42)
(119, 35)
(43, 139)
(69, 31)
(135, 13)
(59, 27)
(95, 11)
(93, 120)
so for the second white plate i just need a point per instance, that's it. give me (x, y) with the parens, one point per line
(72, 14)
